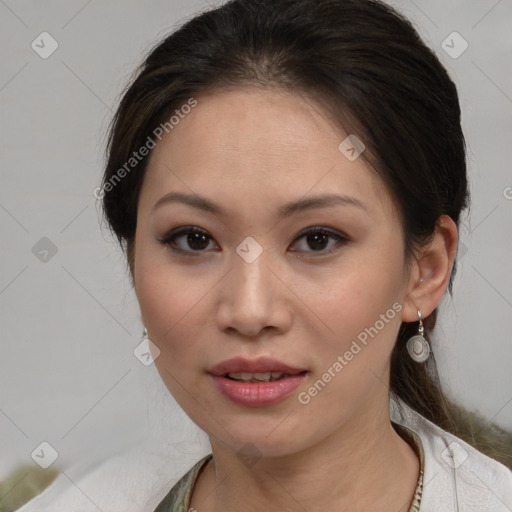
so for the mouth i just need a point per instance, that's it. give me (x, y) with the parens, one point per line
(258, 382)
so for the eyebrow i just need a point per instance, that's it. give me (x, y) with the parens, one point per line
(303, 204)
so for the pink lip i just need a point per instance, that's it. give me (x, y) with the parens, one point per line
(260, 365)
(255, 394)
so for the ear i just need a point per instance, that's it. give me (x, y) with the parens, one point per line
(431, 270)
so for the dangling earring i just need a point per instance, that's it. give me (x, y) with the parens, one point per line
(417, 345)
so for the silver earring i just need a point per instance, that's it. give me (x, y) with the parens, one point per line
(417, 345)
(144, 334)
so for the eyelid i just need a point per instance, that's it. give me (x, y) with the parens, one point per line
(323, 229)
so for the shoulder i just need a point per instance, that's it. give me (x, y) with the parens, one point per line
(133, 480)
(178, 498)
(457, 476)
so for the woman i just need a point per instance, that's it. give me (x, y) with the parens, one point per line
(287, 179)
(290, 236)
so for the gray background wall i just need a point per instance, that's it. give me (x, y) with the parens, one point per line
(69, 320)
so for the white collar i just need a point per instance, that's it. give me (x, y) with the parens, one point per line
(457, 477)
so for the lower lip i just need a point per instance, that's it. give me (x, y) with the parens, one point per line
(255, 394)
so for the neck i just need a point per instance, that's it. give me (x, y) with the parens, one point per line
(364, 465)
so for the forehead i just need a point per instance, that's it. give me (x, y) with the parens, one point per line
(241, 145)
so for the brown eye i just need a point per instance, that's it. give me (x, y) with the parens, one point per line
(197, 241)
(318, 239)
(187, 239)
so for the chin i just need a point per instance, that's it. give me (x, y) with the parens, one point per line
(257, 446)
(257, 436)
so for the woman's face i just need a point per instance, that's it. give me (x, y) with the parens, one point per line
(252, 285)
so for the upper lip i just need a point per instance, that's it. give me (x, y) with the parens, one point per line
(260, 365)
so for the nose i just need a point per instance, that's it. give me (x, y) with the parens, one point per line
(253, 298)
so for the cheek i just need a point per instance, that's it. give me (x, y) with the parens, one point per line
(161, 294)
(361, 306)
(164, 306)
(173, 300)
(352, 359)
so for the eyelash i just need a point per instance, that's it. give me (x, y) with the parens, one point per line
(185, 230)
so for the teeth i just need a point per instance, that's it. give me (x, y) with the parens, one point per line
(255, 377)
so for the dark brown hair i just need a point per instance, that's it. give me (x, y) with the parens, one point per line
(361, 60)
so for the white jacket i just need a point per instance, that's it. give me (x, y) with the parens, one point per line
(457, 478)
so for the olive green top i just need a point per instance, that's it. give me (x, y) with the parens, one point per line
(179, 497)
